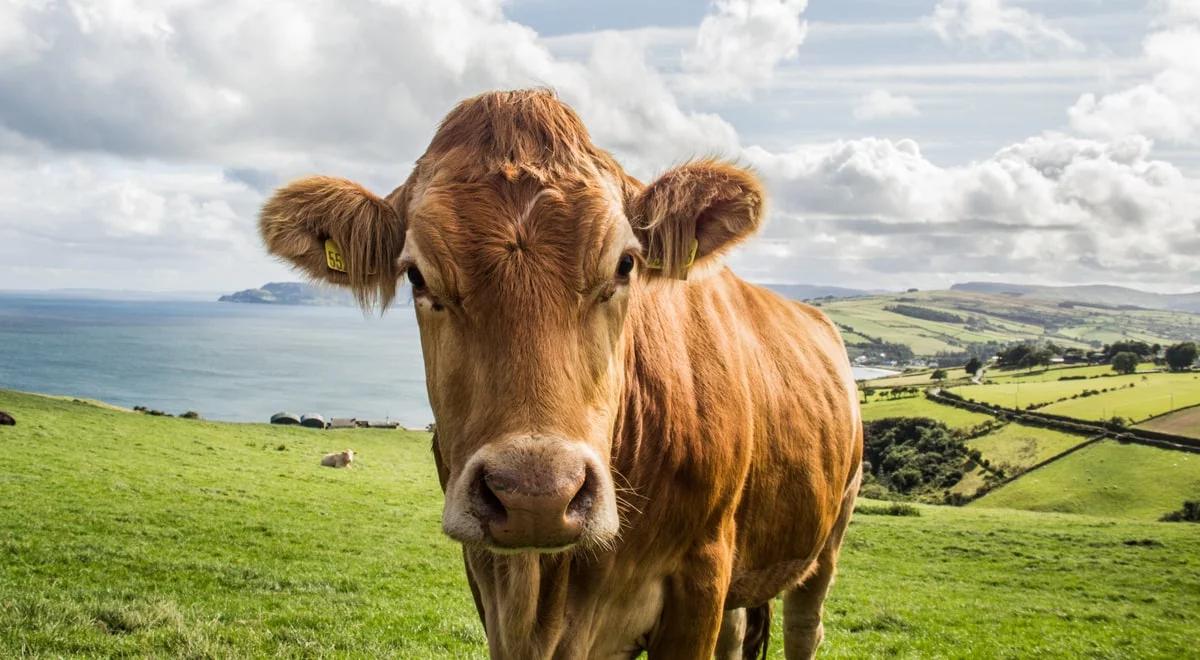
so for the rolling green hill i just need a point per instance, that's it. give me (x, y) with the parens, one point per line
(124, 534)
(919, 320)
(1105, 479)
(955, 418)
(1022, 447)
(1117, 296)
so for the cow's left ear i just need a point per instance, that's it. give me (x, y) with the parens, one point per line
(707, 206)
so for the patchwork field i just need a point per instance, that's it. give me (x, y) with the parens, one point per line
(124, 534)
(1023, 446)
(1105, 479)
(1043, 374)
(1150, 393)
(916, 378)
(1160, 393)
(1184, 422)
(923, 377)
(919, 406)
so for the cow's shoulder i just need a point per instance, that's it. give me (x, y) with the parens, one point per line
(811, 323)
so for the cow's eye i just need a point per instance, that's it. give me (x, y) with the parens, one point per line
(625, 266)
(415, 276)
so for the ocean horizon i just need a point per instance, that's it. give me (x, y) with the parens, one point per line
(226, 361)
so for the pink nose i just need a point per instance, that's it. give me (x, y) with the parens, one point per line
(524, 508)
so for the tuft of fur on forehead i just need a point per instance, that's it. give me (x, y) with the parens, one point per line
(514, 133)
(517, 241)
(513, 199)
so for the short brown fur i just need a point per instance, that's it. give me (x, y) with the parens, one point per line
(727, 415)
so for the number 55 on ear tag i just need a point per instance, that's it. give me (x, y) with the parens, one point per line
(333, 256)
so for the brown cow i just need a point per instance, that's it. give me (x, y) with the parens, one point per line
(634, 444)
(338, 459)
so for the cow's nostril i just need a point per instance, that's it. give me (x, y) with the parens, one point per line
(491, 508)
(582, 502)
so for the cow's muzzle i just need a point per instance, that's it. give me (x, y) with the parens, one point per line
(531, 493)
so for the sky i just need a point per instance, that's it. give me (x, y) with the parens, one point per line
(903, 143)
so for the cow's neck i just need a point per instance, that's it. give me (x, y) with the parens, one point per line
(540, 606)
(530, 601)
(658, 412)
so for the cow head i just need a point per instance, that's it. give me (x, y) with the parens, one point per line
(526, 248)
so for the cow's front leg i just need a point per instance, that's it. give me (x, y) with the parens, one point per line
(693, 601)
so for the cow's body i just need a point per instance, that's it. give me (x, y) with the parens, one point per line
(631, 456)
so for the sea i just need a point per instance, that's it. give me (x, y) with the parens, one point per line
(226, 361)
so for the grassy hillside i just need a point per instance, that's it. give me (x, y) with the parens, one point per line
(919, 406)
(1103, 294)
(132, 535)
(125, 533)
(1183, 422)
(1023, 446)
(1105, 479)
(1001, 319)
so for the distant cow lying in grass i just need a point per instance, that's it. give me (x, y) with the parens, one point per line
(7, 419)
(339, 459)
(639, 450)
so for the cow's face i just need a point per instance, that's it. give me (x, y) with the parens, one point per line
(521, 289)
(522, 273)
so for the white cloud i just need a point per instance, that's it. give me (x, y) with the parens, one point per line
(267, 84)
(99, 222)
(739, 45)
(991, 22)
(162, 125)
(630, 109)
(139, 138)
(1063, 207)
(882, 104)
(1168, 106)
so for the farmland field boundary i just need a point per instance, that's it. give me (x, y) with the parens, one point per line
(1070, 424)
(1169, 412)
(1044, 462)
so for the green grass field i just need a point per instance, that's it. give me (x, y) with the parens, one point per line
(1023, 446)
(1038, 374)
(1184, 422)
(128, 535)
(917, 378)
(1054, 373)
(1105, 479)
(1160, 393)
(919, 406)
(124, 533)
(1151, 392)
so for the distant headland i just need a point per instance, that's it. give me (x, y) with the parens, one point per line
(292, 293)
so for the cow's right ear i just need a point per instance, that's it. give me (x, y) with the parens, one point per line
(336, 231)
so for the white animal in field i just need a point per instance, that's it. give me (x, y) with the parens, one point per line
(338, 459)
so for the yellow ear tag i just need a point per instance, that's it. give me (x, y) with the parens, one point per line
(333, 256)
(656, 263)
